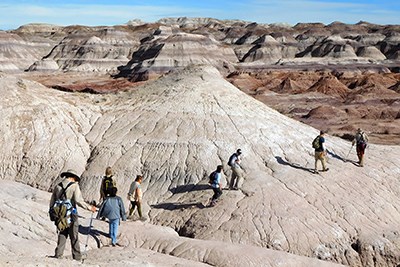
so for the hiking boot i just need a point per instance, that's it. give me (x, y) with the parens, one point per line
(143, 219)
(56, 257)
(316, 172)
(325, 170)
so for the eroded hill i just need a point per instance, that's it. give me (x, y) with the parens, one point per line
(174, 131)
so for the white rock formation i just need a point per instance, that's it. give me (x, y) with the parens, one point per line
(44, 65)
(28, 238)
(100, 50)
(176, 51)
(17, 54)
(175, 131)
(370, 52)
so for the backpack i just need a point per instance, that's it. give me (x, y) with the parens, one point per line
(231, 159)
(212, 178)
(362, 138)
(61, 211)
(315, 143)
(108, 183)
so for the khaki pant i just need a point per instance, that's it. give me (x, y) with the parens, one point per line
(320, 156)
(73, 233)
(236, 178)
(139, 208)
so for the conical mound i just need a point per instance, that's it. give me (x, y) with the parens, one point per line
(288, 86)
(176, 130)
(330, 85)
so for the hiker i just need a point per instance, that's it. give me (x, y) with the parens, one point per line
(361, 140)
(215, 181)
(106, 184)
(237, 170)
(135, 197)
(320, 153)
(112, 209)
(70, 187)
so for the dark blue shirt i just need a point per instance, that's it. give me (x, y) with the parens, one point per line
(321, 145)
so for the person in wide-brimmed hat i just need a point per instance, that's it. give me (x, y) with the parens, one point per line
(70, 173)
(69, 185)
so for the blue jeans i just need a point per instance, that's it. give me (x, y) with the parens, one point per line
(113, 228)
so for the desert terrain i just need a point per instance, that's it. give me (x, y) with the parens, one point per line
(172, 100)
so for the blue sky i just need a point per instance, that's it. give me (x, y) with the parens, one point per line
(90, 12)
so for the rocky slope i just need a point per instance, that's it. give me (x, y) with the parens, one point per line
(25, 225)
(336, 101)
(175, 42)
(90, 49)
(299, 70)
(174, 131)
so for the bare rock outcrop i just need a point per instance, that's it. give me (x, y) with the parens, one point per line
(330, 85)
(100, 50)
(44, 123)
(370, 39)
(16, 54)
(41, 28)
(174, 131)
(106, 49)
(370, 52)
(363, 91)
(269, 50)
(28, 238)
(332, 46)
(174, 51)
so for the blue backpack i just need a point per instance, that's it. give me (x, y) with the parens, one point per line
(62, 210)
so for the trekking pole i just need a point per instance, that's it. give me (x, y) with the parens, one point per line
(87, 238)
(88, 234)
(349, 152)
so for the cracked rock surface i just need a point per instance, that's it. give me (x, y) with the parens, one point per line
(174, 131)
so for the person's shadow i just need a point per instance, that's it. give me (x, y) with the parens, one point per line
(189, 188)
(86, 230)
(178, 206)
(281, 161)
(336, 156)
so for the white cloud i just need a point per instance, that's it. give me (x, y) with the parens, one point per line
(294, 11)
(16, 15)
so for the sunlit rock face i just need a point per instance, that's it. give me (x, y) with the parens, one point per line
(175, 131)
(168, 51)
(146, 50)
(90, 49)
(17, 53)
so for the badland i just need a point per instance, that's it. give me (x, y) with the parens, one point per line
(172, 100)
